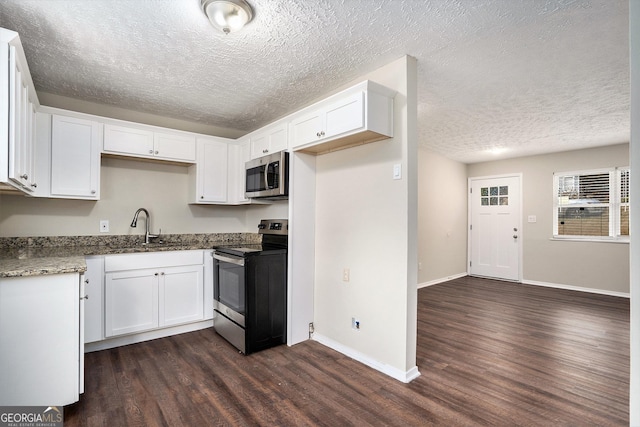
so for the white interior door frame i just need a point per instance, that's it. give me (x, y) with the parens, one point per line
(520, 221)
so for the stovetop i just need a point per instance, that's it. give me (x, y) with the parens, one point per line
(274, 238)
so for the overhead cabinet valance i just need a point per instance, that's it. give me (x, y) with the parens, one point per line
(355, 116)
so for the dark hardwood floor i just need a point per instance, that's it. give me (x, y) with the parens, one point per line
(490, 353)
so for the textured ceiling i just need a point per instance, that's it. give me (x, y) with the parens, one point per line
(521, 76)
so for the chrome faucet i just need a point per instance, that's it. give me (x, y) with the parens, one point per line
(134, 223)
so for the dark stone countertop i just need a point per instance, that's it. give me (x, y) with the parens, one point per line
(35, 256)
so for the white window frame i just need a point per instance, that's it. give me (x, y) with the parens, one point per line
(614, 205)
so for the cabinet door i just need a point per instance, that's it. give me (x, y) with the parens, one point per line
(211, 171)
(131, 302)
(20, 131)
(259, 145)
(174, 147)
(93, 304)
(75, 158)
(127, 140)
(307, 129)
(278, 140)
(345, 116)
(181, 295)
(40, 340)
(239, 154)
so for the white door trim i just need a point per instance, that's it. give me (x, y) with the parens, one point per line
(520, 232)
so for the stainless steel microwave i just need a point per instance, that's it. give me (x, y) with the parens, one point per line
(268, 176)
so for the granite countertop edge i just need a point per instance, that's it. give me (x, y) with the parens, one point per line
(23, 257)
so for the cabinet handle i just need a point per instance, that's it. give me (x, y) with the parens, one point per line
(25, 176)
(34, 185)
(84, 297)
(86, 281)
(265, 151)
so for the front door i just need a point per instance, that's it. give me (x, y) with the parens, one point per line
(495, 227)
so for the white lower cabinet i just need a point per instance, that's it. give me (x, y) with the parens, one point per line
(131, 302)
(94, 301)
(165, 294)
(180, 296)
(41, 350)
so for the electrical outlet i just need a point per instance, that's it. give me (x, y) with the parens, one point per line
(104, 226)
(345, 275)
(355, 323)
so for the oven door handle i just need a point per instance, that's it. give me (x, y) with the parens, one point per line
(236, 261)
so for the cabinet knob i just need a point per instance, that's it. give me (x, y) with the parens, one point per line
(86, 281)
(150, 151)
(93, 191)
(34, 185)
(202, 197)
(24, 176)
(155, 274)
(156, 152)
(318, 134)
(162, 274)
(265, 151)
(322, 133)
(84, 297)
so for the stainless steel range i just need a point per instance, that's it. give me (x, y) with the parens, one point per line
(250, 289)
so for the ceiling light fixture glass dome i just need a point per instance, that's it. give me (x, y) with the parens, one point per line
(227, 15)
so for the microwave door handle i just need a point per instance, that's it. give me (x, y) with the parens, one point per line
(236, 261)
(266, 176)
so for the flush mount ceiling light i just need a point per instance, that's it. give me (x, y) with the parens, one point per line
(227, 15)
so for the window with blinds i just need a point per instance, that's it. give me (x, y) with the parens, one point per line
(591, 204)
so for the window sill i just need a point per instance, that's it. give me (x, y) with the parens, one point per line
(590, 239)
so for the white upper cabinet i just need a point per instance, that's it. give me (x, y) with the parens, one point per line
(18, 104)
(218, 175)
(358, 115)
(239, 154)
(75, 158)
(208, 177)
(174, 146)
(270, 139)
(128, 141)
(148, 143)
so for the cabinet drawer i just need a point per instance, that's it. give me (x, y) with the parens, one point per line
(152, 260)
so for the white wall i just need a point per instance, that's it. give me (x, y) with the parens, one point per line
(634, 26)
(366, 222)
(127, 185)
(597, 266)
(442, 218)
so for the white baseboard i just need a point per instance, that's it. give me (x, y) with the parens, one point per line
(395, 373)
(145, 336)
(577, 288)
(444, 279)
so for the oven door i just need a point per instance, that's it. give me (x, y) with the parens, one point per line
(229, 286)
